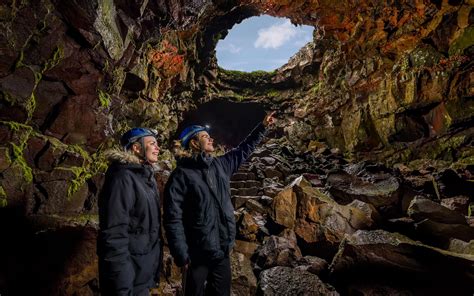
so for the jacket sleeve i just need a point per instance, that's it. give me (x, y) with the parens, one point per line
(117, 199)
(232, 160)
(174, 195)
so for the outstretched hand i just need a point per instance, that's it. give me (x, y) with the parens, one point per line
(269, 119)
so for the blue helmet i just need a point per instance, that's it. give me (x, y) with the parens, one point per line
(134, 135)
(188, 133)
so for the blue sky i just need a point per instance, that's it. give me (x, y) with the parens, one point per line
(261, 43)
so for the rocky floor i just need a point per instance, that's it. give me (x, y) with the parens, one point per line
(311, 223)
(315, 224)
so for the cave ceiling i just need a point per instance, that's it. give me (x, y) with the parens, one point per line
(389, 81)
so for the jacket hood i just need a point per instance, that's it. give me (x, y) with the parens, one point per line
(126, 158)
(123, 157)
(195, 161)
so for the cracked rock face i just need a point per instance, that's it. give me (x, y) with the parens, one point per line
(384, 83)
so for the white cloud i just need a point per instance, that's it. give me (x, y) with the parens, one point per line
(230, 47)
(275, 36)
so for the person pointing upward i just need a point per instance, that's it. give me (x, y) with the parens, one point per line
(198, 212)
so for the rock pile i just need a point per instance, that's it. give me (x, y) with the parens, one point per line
(312, 224)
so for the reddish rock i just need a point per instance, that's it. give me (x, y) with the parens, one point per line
(246, 248)
(284, 208)
(34, 148)
(48, 95)
(244, 281)
(320, 218)
(247, 228)
(87, 129)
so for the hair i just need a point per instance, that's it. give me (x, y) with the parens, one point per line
(180, 151)
(129, 148)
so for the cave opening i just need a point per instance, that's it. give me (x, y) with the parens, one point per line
(261, 43)
(230, 122)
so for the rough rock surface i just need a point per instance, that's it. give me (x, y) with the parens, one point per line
(282, 280)
(377, 108)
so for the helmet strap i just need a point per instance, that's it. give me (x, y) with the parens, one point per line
(142, 155)
(198, 146)
(142, 143)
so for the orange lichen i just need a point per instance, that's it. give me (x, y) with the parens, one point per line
(167, 59)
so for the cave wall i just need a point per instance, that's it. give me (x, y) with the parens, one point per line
(391, 78)
(389, 81)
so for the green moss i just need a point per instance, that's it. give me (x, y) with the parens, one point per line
(19, 61)
(253, 76)
(464, 41)
(16, 126)
(464, 161)
(3, 197)
(41, 27)
(403, 63)
(273, 93)
(216, 37)
(339, 254)
(6, 96)
(239, 98)
(17, 157)
(424, 55)
(106, 25)
(93, 165)
(444, 148)
(58, 55)
(316, 87)
(118, 75)
(84, 218)
(31, 105)
(81, 175)
(19, 160)
(104, 99)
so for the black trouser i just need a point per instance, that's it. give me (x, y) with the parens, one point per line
(217, 274)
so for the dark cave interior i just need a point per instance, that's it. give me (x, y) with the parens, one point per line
(230, 122)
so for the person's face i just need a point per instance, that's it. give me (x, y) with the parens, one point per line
(205, 142)
(151, 149)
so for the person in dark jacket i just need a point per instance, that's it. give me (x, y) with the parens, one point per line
(128, 243)
(198, 212)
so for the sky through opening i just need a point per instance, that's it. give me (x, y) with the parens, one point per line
(261, 43)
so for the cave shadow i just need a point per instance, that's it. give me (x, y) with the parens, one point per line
(36, 259)
(230, 122)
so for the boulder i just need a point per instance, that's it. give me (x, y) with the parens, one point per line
(244, 281)
(423, 208)
(459, 204)
(372, 256)
(284, 208)
(313, 264)
(378, 189)
(278, 251)
(281, 280)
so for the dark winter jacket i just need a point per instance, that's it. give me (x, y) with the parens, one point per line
(198, 212)
(128, 244)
